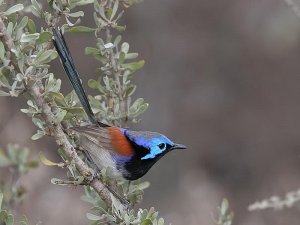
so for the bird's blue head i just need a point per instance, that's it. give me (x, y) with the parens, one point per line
(153, 144)
(147, 148)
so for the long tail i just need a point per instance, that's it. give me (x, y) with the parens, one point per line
(68, 64)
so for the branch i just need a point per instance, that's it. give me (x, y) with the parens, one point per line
(62, 141)
(35, 88)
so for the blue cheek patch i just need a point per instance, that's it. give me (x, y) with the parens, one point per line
(154, 151)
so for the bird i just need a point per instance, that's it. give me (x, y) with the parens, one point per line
(129, 154)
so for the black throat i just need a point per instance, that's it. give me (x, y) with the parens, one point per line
(136, 167)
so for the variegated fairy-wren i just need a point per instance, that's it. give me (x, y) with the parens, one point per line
(130, 154)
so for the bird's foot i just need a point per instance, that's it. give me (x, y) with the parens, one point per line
(97, 174)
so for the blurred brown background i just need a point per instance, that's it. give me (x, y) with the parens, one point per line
(223, 78)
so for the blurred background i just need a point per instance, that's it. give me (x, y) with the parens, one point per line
(223, 78)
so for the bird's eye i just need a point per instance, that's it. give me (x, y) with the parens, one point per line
(162, 146)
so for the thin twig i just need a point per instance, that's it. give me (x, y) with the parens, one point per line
(117, 74)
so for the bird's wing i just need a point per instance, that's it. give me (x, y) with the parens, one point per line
(108, 138)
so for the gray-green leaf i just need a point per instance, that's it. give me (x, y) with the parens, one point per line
(80, 2)
(45, 56)
(37, 136)
(76, 29)
(115, 9)
(31, 26)
(14, 9)
(3, 93)
(134, 66)
(60, 116)
(44, 37)
(125, 47)
(29, 37)
(93, 217)
(76, 14)
(146, 222)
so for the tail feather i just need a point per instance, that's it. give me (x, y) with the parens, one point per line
(68, 64)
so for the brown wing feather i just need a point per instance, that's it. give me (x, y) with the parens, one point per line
(110, 138)
(98, 135)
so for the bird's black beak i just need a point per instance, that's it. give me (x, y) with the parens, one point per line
(178, 146)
